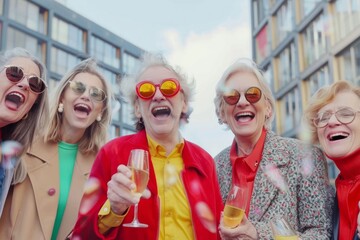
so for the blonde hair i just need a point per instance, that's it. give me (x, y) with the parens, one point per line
(24, 131)
(96, 134)
(244, 65)
(128, 85)
(320, 99)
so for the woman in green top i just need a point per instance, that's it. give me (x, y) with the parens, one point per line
(46, 204)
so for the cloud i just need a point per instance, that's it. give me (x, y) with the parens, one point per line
(205, 57)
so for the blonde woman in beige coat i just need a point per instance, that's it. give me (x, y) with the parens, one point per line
(46, 204)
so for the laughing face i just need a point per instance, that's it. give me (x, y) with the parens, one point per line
(246, 120)
(160, 114)
(80, 110)
(16, 99)
(338, 139)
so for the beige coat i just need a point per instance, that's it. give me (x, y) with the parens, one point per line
(31, 206)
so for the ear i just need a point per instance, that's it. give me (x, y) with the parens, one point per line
(137, 109)
(269, 110)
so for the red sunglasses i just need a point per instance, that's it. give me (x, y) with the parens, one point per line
(168, 87)
(15, 74)
(252, 95)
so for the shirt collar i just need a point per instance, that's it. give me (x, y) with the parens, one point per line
(253, 160)
(157, 150)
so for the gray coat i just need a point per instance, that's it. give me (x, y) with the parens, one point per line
(307, 205)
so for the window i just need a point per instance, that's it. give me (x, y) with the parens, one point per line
(126, 131)
(263, 43)
(130, 63)
(29, 14)
(290, 111)
(61, 61)
(68, 34)
(349, 63)
(114, 131)
(306, 6)
(111, 78)
(269, 76)
(261, 9)
(318, 79)
(284, 21)
(314, 40)
(1, 7)
(286, 66)
(127, 113)
(17, 38)
(105, 52)
(346, 17)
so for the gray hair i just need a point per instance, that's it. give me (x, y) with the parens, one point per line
(244, 65)
(128, 84)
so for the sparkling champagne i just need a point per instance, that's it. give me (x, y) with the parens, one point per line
(232, 216)
(294, 237)
(140, 178)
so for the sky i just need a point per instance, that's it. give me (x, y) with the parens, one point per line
(202, 37)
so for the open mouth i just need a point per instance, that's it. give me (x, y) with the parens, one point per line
(14, 100)
(161, 111)
(82, 108)
(244, 116)
(337, 136)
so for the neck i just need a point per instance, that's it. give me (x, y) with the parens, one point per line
(349, 165)
(72, 136)
(245, 145)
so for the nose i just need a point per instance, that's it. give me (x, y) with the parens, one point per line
(23, 84)
(158, 96)
(86, 95)
(242, 101)
(333, 121)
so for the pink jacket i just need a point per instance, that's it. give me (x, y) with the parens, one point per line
(199, 179)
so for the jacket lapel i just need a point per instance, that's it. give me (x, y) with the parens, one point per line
(43, 162)
(264, 190)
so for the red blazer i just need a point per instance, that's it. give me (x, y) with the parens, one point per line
(199, 179)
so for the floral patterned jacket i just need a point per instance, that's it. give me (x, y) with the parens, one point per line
(308, 202)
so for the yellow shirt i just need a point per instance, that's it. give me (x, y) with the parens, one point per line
(175, 215)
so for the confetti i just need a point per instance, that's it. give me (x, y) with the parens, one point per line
(274, 175)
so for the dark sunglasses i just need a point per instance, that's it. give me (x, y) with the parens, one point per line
(15, 74)
(252, 95)
(96, 94)
(168, 87)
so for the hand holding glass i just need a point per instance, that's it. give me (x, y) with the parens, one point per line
(139, 165)
(282, 230)
(235, 206)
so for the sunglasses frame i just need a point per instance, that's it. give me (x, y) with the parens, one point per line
(140, 84)
(90, 88)
(28, 77)
(238, 95)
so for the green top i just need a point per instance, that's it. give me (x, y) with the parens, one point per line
(67, 158)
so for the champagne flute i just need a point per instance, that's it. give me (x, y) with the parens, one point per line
(282, 230)
(139, 165)
(235, 206)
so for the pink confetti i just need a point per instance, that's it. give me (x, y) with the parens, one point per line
(274, 175)
(91, 195)
(206, 216)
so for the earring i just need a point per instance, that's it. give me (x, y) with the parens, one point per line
(61, 108)
(98, 118)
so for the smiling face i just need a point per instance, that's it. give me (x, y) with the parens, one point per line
(80, 111)
(245, 120)
(160, 114)
(339, 139)
(16, 99)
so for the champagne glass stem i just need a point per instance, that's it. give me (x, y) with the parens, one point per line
(135, 220)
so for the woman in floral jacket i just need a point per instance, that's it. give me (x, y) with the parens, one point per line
(284, 176)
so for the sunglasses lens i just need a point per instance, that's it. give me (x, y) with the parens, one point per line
(253, 95)
(77, 87)
(97, 94)
(14, 74)
(231, 97)
(146, 90)
(169, 88)
(36, 84)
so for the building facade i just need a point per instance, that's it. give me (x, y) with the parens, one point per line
(303, 45)
(61, 38)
